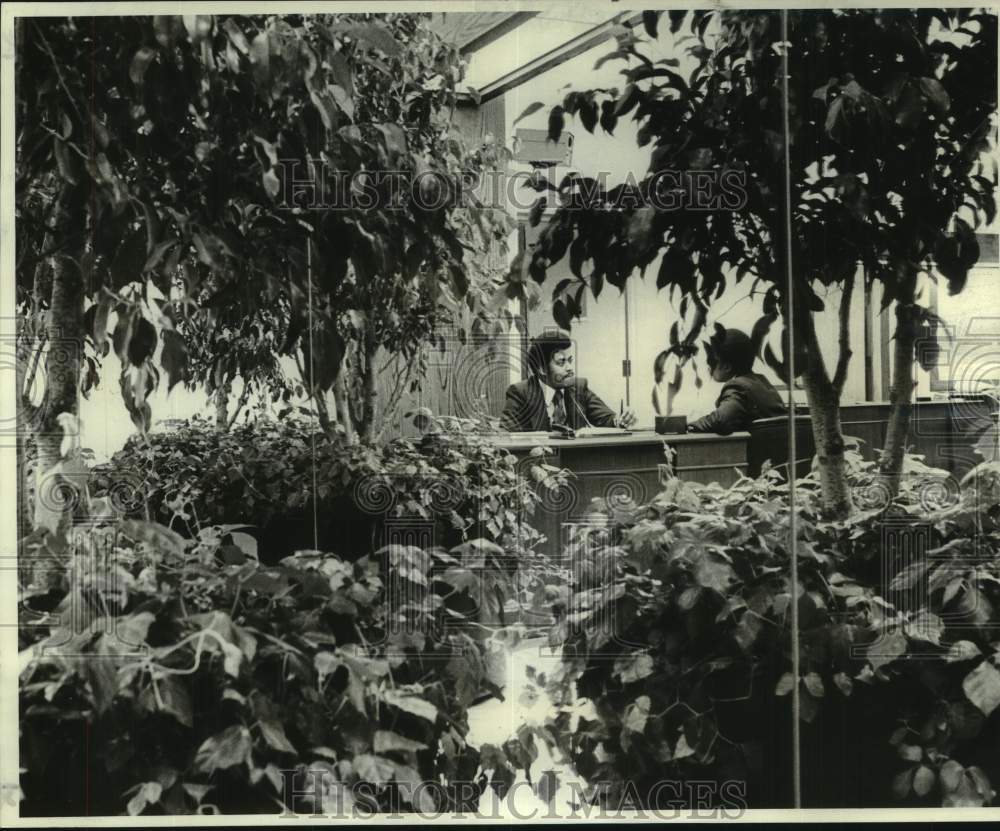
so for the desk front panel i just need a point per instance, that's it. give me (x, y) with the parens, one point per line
(626, 467)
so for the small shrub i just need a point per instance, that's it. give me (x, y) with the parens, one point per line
(287, 481)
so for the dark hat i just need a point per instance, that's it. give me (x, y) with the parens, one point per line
(730, 346)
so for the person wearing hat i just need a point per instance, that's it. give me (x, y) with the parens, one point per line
(746, 395)
(554, 396)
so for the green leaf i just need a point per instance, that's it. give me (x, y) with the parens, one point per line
(158, 537)
(130, 260)
(844, 683)
(374, 769)
(378, 36)
(529, 110)
(341, 71)
(556, 123)
(633, 667)
(649, 21)
(785, 684)
(232, 657)
(748, 630)
(637, 714)
(272, 185)
(640, 229)
(174, 699)
(140, 63)
(926, 626)
(156, 255)
(982, 687)
(814, 684)
(951, 775)
(411, 704)
(547, 786)
(387, 741)
(236, 36)
(142, 344)
(902, 783)
(149, 793)
(274, 734)
(231, 747)
(886, 649)
(65, 161)
(935, 92)
(173, 357)
(923, 780)
(962, 651)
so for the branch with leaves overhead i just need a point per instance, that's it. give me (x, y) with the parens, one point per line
(889, 115)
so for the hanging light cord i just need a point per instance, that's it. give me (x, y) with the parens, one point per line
(312, 386)
(790, 360)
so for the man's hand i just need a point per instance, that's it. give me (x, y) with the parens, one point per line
(626, 419)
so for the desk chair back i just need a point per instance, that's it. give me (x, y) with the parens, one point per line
(769, 440)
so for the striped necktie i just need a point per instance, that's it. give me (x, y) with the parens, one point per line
(559, 408)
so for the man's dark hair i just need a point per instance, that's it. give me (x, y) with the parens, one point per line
(730, 346)
(543, 347)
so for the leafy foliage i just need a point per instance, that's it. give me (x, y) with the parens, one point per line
(683, 648)
(871, 93)
(195, 161)
(201, 676)
(231, 672)
(273, 474)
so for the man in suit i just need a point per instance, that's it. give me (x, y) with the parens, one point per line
(554, 396)
(746, 396)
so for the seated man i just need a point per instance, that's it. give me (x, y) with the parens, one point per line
(553, 396)
(746, 396)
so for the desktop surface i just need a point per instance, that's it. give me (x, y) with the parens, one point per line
(514, 441)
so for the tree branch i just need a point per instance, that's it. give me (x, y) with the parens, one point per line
(29, 379)
(62, 81)
(240, 403)
(844, 356)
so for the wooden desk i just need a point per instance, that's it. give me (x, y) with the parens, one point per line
(624, 466)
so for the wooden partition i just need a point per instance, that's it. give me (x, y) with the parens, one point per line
(945, 432)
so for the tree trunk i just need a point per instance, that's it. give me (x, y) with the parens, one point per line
(319, 398)
(900, 398)
(28, 350)
(222, 406)
(240, 404)
(824, 412)
(370, 392)
(64, 332)
(823, 396)
(344, 408)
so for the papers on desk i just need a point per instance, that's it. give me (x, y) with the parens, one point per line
(593, 432)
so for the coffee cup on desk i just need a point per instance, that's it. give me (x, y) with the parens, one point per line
(671, 424)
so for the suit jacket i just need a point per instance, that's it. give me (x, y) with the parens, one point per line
(527, 407)
(743, 400)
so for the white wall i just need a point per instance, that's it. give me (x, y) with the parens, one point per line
(970, 354)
